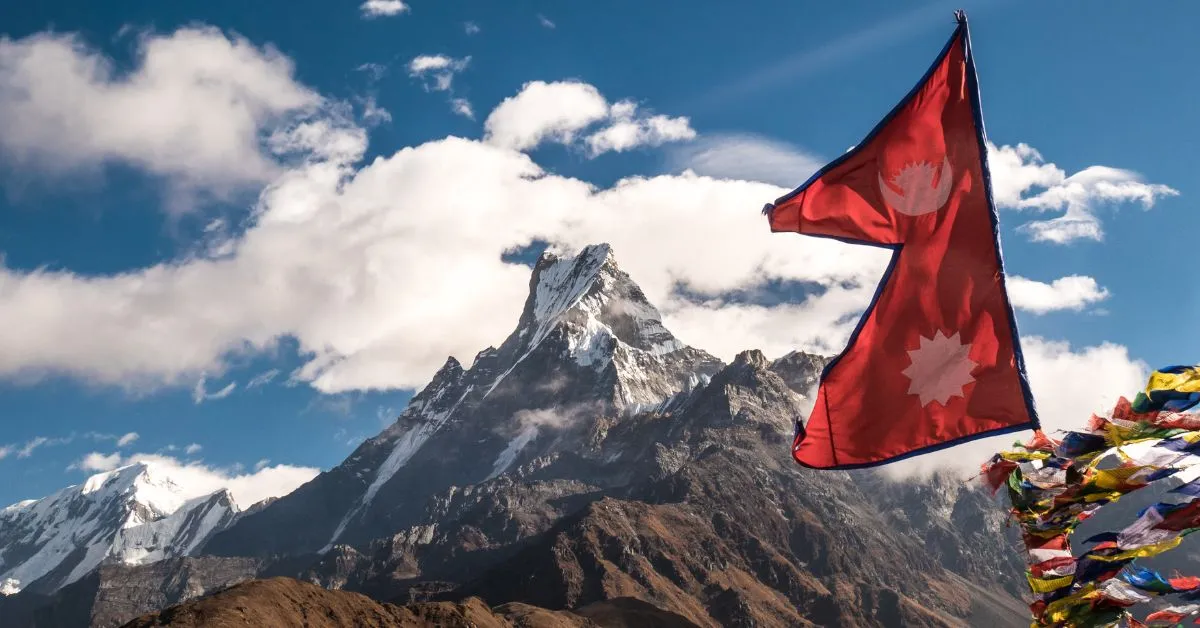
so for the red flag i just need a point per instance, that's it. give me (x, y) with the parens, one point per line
(935, 359)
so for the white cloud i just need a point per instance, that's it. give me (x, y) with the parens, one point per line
(471, 28)
(1024, 181)
(462, 107)
(390, 256)
(192, 449)
(261, 464)
(372, 9)
(561, 111)
(191, 110)
(127, 439)
(393, 254)
(200, 392)
(545, 21)
(196, 479)
(440, 68)
(1073, 292)
(375, 71)
(30, 446)
(627, 131)
(373, 114)
(96, 462)
(1068, 386)
(5, 451)
(262, 379)
(746, 157)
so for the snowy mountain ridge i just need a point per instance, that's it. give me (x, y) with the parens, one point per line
(587, 345)
(134, 515)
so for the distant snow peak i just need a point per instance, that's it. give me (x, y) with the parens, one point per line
(136, 514)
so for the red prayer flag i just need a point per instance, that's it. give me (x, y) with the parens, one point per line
(935, 359)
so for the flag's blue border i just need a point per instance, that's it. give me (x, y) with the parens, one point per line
(981, 136)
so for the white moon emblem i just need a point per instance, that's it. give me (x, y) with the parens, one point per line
(917, 193)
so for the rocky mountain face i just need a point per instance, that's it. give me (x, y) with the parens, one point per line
(589, 353)
(593, 457)
(131, 516)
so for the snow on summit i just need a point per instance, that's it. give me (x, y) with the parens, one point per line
(134, 515)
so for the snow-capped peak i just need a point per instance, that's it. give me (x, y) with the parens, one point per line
(136, 514)
(562, 282)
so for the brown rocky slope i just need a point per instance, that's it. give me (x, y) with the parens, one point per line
(285, 603)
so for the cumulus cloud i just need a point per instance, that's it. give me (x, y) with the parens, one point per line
(372, 9)
(627, 130)
(191, 110)
(562, 111)
(389, 258)
(196, 479)
(398, 272)
(1073, 292)
(127, 439)
(1023, 180)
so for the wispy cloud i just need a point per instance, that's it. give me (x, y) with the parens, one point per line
(745, 157)
(31, 446)
(883, 33)
(471, 28)
(200, 393)
(462, 107)
(192, 449)
(442, 69)
(545, 21)
(374, 71)
(262, 379)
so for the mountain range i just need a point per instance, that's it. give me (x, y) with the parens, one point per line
(591, 461)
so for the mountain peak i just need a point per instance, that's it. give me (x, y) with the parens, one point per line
(595, 304)
(134, 514)
(559, 282)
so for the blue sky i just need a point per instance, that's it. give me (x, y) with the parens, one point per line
(761, 89)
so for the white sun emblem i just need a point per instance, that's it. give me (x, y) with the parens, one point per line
(940, 369)
(917, 194)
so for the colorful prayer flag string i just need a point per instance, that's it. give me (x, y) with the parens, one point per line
(1053, 485)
